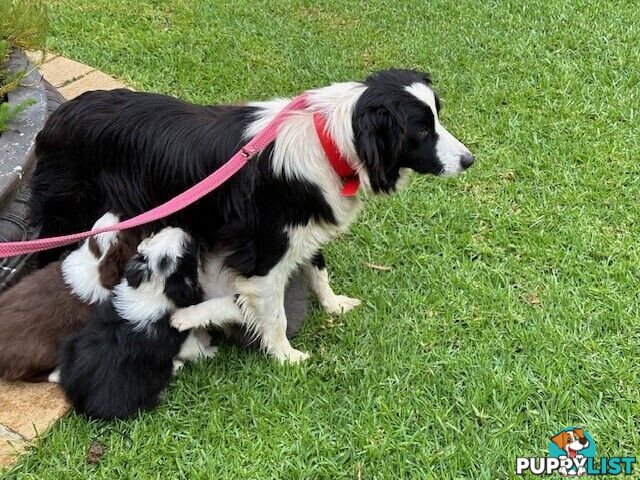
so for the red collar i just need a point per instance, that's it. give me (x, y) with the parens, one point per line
(349, 177)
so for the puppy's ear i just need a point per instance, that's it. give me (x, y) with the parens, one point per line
(137, 271)
(94, 247)
(561, 440)
(165, 264)
(381, 133)
(183, 291)
(112, 266)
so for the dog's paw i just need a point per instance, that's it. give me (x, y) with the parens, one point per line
(341, 304)
(182, 320)
(291, 356)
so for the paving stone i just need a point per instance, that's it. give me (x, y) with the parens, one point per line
(38, 58)
(28, 409)
(10, 450)
(61, 71)
(95, 80)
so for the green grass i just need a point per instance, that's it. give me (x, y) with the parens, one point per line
(23, 24)
(512, 307)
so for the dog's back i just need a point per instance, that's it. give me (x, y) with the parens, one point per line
(88, 139)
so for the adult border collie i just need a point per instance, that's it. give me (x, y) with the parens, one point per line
(128, 152)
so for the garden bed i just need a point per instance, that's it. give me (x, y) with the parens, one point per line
(17, 160)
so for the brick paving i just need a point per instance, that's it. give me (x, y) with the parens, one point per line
(72, 78)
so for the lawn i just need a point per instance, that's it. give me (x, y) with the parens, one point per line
(511, 309)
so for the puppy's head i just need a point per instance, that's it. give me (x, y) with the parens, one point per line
(99, 244)
(168, 258)
(80, 269)
(396, 126)
(571, 440)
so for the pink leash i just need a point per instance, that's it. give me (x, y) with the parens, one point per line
(186, 198)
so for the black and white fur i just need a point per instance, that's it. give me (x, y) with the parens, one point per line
(122, 360)
(129, 151)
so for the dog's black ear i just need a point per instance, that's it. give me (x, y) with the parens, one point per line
(137, 271)
(380, 133)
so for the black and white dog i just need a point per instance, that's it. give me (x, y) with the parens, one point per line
(122, 360)
(127, 152)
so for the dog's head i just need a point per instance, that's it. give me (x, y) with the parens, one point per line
(396, 126)
(571, 441)
(168, 259)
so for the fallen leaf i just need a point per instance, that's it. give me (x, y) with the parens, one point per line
(375, 266)
(96, 452)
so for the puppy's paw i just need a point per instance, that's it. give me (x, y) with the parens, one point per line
(291, 356)
(340, 304)
(183, 320)
(54, 377)
(208, 352)
(177, 365)
(203, 337)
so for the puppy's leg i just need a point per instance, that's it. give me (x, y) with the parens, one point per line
(318, 278)
(262, 300)
(214, 312)
(197, 346)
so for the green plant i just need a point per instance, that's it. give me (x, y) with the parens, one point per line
(23, 24)
(9, 112)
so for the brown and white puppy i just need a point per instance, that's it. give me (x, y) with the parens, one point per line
(51, 303)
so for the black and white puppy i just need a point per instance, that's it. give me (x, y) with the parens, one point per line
(130, 151)
(122, 360)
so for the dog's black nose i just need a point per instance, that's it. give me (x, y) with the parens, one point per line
(467, 160)
(583, 441)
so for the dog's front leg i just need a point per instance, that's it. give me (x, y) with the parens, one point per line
(215, 312)
(262, 301)
(318, 278)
